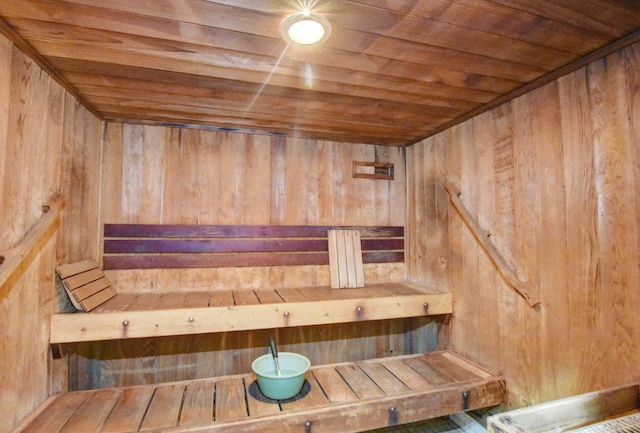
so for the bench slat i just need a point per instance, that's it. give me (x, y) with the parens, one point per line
(239, 231)
(98, 298)
(129, 410)
(213, 260)
(164, 409)
(146, 246)
(92, 414)
(359, 382)
(222, 260)
(230, 400)
(198, 403)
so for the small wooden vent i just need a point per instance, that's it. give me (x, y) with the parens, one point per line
(373, 170)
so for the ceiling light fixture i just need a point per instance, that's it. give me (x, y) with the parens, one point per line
(305, 28)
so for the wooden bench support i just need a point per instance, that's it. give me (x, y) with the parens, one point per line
(155, 315)
(347, 397)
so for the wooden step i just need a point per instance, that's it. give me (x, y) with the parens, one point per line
(154, 315)
(346, 397)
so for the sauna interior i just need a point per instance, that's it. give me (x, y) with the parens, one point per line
(513, 133)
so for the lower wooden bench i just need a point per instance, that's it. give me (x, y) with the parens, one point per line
(130, 315)
(346, 397)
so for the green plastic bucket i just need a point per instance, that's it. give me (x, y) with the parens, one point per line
(293, 367)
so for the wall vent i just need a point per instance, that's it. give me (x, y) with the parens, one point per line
(373, 170)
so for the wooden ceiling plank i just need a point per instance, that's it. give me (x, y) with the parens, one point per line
(606, 17)
(269, 100)
(431, 95)
(539, 28)
(151, 61)
(302, 116)
(173, 120)
(381, 22)
(389, 22)
(322, 62)
(346, 40)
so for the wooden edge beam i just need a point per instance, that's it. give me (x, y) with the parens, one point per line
(523, 288)
(18, 259)
(77, 327)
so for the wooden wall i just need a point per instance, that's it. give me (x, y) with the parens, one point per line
(41, 128)
(189, 176)
(554, 176)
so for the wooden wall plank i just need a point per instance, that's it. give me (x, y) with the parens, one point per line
(616, 166)
(581, 227)
(553, 176)
(35, 120)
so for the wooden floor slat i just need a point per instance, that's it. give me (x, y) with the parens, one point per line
(143, 302)
(164, 408)
(258, 404)
(333, 396)
(198, 403)
(117, 303)
(311, 396)
(170, 300)
(451, 369)
(428, 371)
(57, 413)
(230, 400)
(268, 296)
(196, 300)
(359, 382)
(129, 410)
(223, 298)
(93, 412)
(245, 297)
(334, 385)
(407, 375)
(387, 382)
(291, 295)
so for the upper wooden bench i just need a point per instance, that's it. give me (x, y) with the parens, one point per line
(136, 246)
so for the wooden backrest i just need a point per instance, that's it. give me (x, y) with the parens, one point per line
(86, 284)
(345, 259)
(149, 246)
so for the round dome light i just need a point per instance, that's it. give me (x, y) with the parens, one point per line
(306, 31)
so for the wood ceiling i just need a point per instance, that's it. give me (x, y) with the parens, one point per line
(392, 73)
